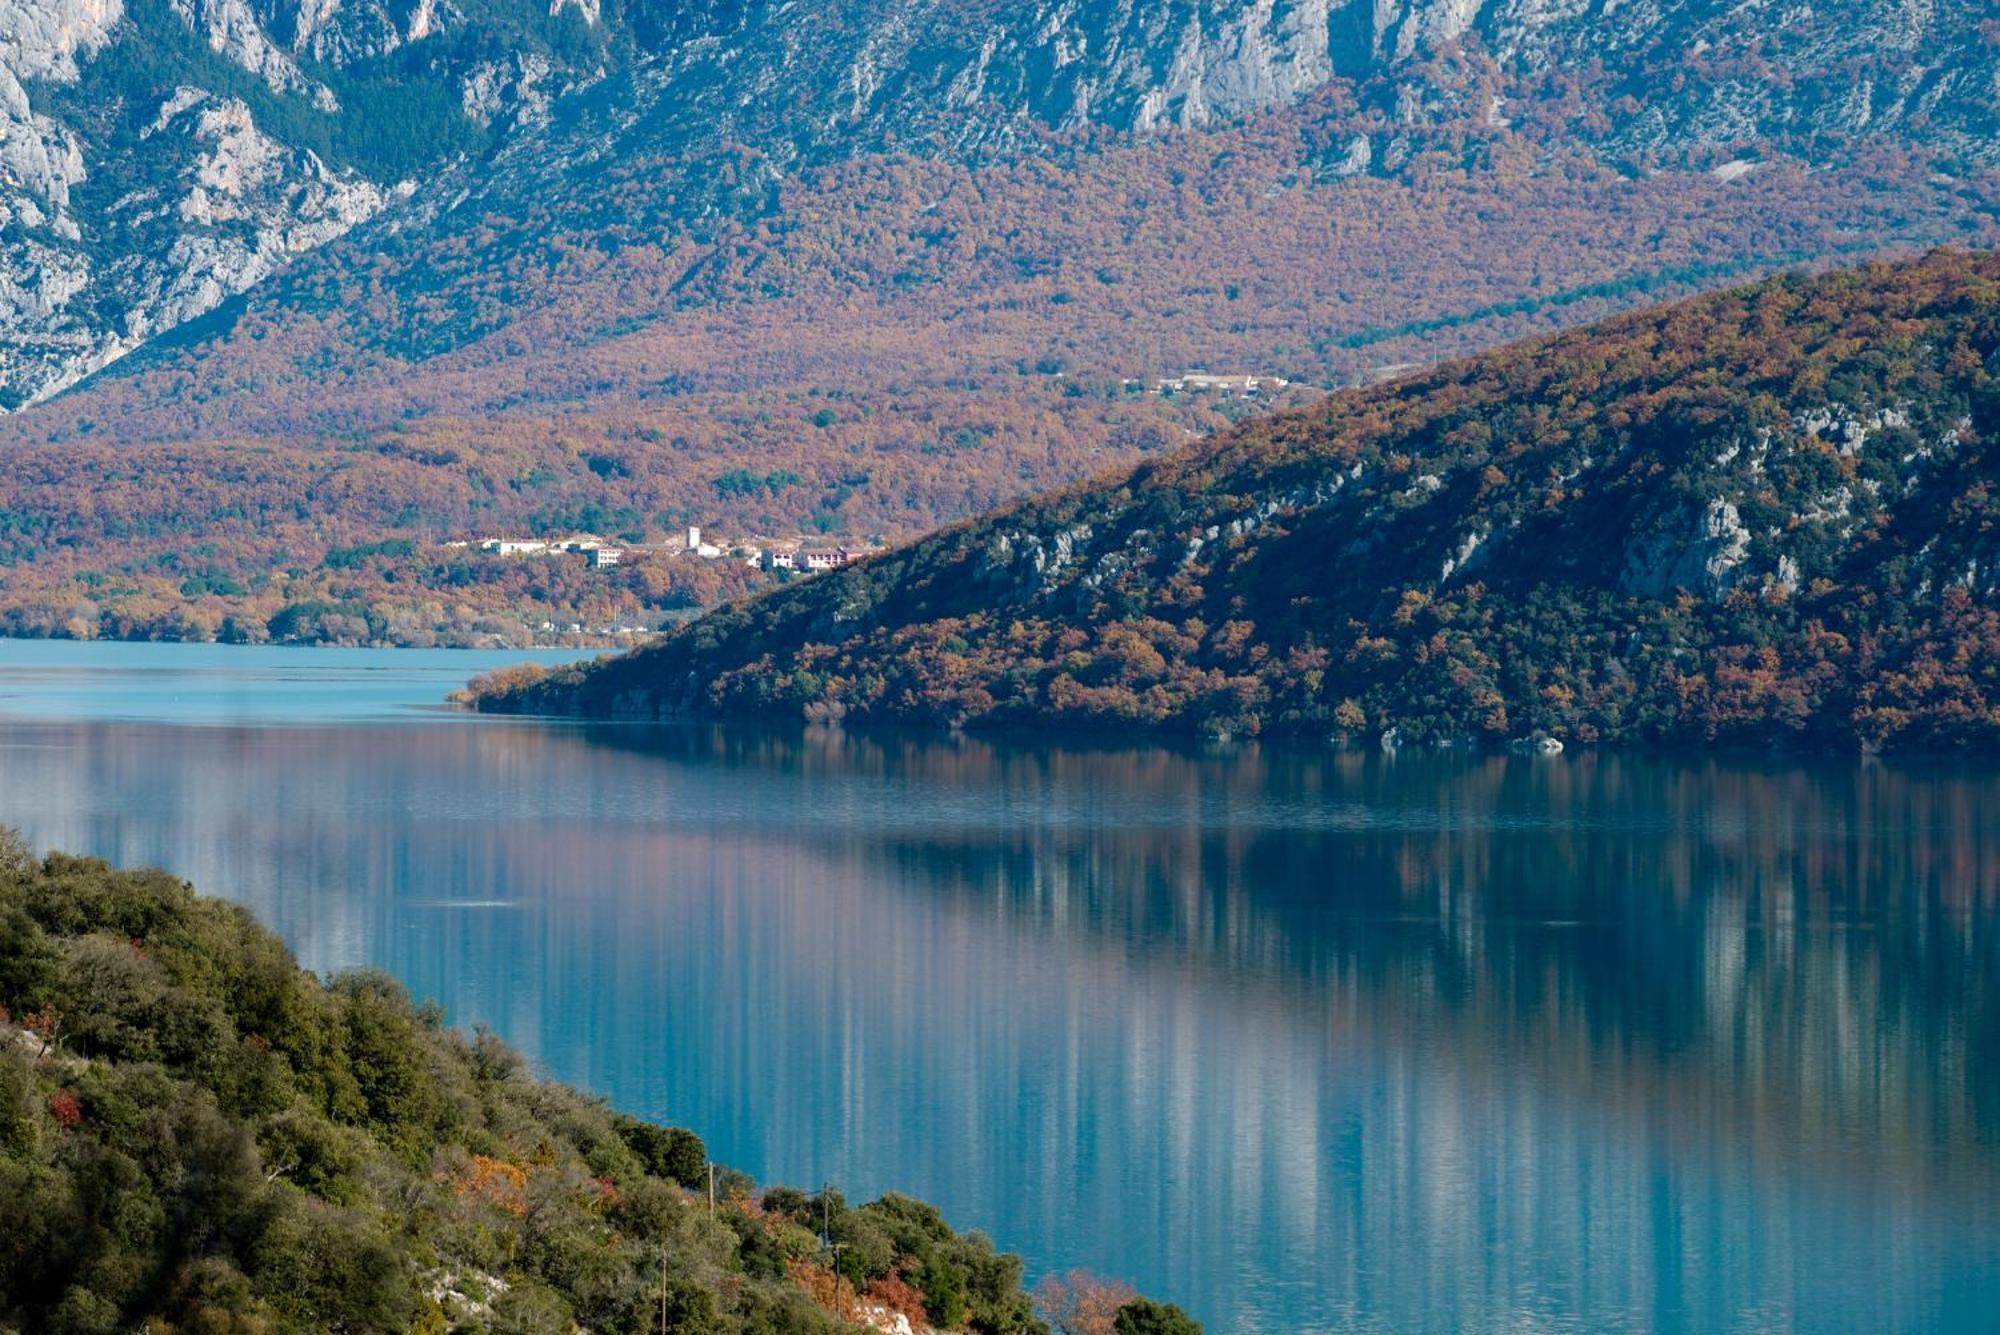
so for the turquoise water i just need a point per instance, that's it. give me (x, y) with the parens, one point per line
(225, 683)
(1304, 1042)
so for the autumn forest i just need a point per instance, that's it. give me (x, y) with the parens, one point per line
(881, 346)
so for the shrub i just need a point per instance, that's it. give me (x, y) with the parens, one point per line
(1141, 1316)
(667, 1151)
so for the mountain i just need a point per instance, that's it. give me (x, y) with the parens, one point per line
(1760, 517)
(190, 148)
(162, 155)
(853, 268)
(197, 1134)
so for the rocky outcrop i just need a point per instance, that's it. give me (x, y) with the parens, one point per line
(516, 86)
(39, 159)
(340, 32)
(41, 265)
(236, 205)
(1702, 553)
(195, 193)
(256, 202)
(42, 39)
(232, 30)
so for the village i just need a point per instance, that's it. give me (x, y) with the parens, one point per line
(1223, 386)
(796, 555)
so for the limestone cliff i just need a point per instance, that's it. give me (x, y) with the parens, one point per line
(159, 157)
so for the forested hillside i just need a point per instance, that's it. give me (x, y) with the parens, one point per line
(197, 1135)
(505, 267)
(1760, 517)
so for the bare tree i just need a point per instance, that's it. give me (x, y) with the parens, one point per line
(1080, 1303)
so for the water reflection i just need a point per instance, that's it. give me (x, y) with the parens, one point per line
(1305, 1041)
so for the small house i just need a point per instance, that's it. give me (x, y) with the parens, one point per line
(815, 559)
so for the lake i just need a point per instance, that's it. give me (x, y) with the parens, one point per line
(1302, 1041)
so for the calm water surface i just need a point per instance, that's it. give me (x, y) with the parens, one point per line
(1304, 1042)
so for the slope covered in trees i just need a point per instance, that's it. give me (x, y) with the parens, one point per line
(197, 1135)
(913, 344)
(1764, 516)
(958, 227)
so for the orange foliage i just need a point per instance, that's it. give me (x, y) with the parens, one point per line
(899, 344)
(495, 1182)
(899, 1295)
(1080, 1303)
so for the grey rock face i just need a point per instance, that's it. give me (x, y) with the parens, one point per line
(517, 86)
(229, 205)
(232, 30)
(339, 32)
(1702, 556)
(257, 203)
(43, 39)
(40, 159)
(126, 210)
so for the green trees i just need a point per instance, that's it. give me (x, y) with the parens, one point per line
(328, 1268)
(671, 1152)
(196, 1135)
(1142, 1316)
(899, 1245)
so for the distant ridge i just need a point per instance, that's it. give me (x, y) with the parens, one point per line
(1762, 517)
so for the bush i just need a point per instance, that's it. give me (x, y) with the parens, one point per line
(667, 1151)
(332, 1269)
(1144, 1317)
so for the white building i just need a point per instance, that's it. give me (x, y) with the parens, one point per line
(816, 559)
(1200, 382)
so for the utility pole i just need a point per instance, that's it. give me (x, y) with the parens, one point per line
(711, 1186)
(826, 1232)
